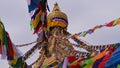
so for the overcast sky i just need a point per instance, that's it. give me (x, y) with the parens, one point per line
(82, 15)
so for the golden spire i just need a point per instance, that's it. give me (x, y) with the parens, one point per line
(60, 18)
(56, 12)
(56, 7)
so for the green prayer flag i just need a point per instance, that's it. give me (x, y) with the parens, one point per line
(118, 66)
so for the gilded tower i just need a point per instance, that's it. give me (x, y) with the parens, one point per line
(57, 48)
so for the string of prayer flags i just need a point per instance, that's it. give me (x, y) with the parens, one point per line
(113, 23)
(31, 51)
(3, 41)
(38, 12)
(32, 4)
(26, 44)
(91, 48)
(75, 38)
(90, 31)
(6, 46)
(8, 49)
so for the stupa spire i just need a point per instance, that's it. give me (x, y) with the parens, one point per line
(57, 18)
(56, 7)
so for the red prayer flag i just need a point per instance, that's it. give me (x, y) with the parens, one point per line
(71, 58)
(110, 24)
(11, 50)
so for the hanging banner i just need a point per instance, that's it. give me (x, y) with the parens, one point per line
(7, 48)
(38, 13)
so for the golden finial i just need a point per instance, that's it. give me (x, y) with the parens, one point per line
(56, 12)
(56, 7)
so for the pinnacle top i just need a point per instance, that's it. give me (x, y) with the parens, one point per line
(56, 7)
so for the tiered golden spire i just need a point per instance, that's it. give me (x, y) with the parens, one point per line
(56, 12)
(57, 18)
(56, 7)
